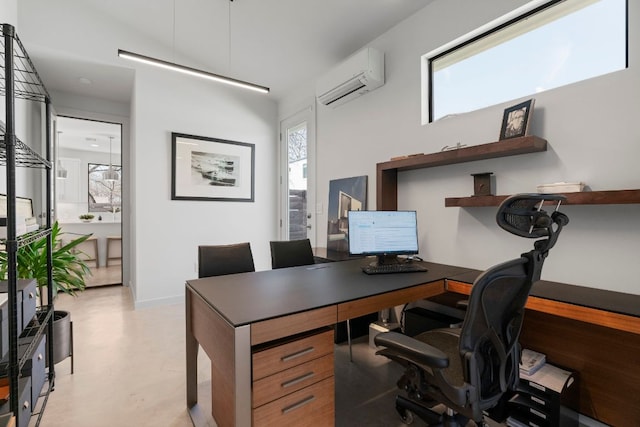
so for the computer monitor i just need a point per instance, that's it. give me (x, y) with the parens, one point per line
(24, 206)
(384, 234)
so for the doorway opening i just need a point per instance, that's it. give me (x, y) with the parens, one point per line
(88, 193)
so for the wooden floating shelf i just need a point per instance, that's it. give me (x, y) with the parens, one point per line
(613, 197)
(505, 148)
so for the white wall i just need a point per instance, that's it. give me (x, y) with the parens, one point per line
(164, 234)
(169, 231)
(589, 127)
(8, 11)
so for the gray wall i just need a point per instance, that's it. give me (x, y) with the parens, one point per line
(589, 127)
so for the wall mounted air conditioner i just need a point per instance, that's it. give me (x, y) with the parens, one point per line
(362, 72)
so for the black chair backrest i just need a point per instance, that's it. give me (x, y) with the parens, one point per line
(218, 260)
(488, 345)
(291, 253)
(489, 348)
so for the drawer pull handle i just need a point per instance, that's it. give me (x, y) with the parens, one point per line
(538, 401)
(298, 405)
(31, 295)
(40, 356)
(297, 354)
(295, 381)
(538, 413)
(25, 405)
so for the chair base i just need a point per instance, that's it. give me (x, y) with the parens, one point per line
(407, 408)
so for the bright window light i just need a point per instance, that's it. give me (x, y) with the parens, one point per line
(537, 50)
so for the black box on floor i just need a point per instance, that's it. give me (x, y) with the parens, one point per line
(425, 315)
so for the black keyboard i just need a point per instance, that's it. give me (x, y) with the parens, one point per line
(394, 268)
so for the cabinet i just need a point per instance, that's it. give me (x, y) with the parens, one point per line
(293, 380)
(26, 327)
(543, 399)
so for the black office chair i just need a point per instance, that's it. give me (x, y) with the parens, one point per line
(469, 368)
(218, 260)
(291, 253)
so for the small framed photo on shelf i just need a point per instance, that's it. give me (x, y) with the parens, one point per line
(205, 168)
(515, 121)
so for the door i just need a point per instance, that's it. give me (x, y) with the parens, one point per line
(297, 176)
(89, 182)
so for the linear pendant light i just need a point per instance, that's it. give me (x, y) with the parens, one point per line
(190, 71)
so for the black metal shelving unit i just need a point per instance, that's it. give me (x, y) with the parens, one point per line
(20, 80)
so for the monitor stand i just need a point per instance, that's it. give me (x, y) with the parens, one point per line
(385, 260)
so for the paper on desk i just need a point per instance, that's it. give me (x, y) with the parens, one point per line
(549, 376)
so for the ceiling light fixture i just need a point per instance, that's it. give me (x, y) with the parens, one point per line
(190, 71)
(111, 174)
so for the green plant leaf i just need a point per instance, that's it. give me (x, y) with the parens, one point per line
(68, 269)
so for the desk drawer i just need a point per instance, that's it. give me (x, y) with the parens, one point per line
(277, 385)
(285, 356)
(312, 406)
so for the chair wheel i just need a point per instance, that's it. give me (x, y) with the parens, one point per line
(407, 418)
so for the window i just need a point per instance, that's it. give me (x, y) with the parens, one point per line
(104, 195)
(541, 46)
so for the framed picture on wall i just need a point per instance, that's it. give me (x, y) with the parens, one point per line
(345, 194)
(205, 168)
(515, 121)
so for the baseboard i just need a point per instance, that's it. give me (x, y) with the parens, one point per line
(158, 302)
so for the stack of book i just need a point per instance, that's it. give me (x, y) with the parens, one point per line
(531, 361)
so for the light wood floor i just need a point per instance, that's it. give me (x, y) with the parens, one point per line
(101, 276)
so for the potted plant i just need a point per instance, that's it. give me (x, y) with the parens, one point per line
(68, 273)
(68, 269)
(86, 217)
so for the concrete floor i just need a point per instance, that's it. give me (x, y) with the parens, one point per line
(130, 370)
(100, 276)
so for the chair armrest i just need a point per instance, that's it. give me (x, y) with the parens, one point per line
(412, 350)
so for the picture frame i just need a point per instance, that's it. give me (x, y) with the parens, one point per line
(345, 194)
(204, 168)
(515, 121)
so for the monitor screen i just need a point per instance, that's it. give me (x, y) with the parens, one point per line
(383, 233)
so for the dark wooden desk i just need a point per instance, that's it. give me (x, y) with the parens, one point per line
(236, 317)
(594, 332)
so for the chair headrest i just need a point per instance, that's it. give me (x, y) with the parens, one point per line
(522, 215)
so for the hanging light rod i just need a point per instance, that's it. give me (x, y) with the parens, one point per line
(190, 71)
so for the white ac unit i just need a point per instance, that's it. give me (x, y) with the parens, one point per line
(360, 73)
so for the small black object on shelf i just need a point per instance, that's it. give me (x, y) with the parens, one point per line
(482, 184)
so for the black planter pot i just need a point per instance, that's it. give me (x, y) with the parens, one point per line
(62, 336)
